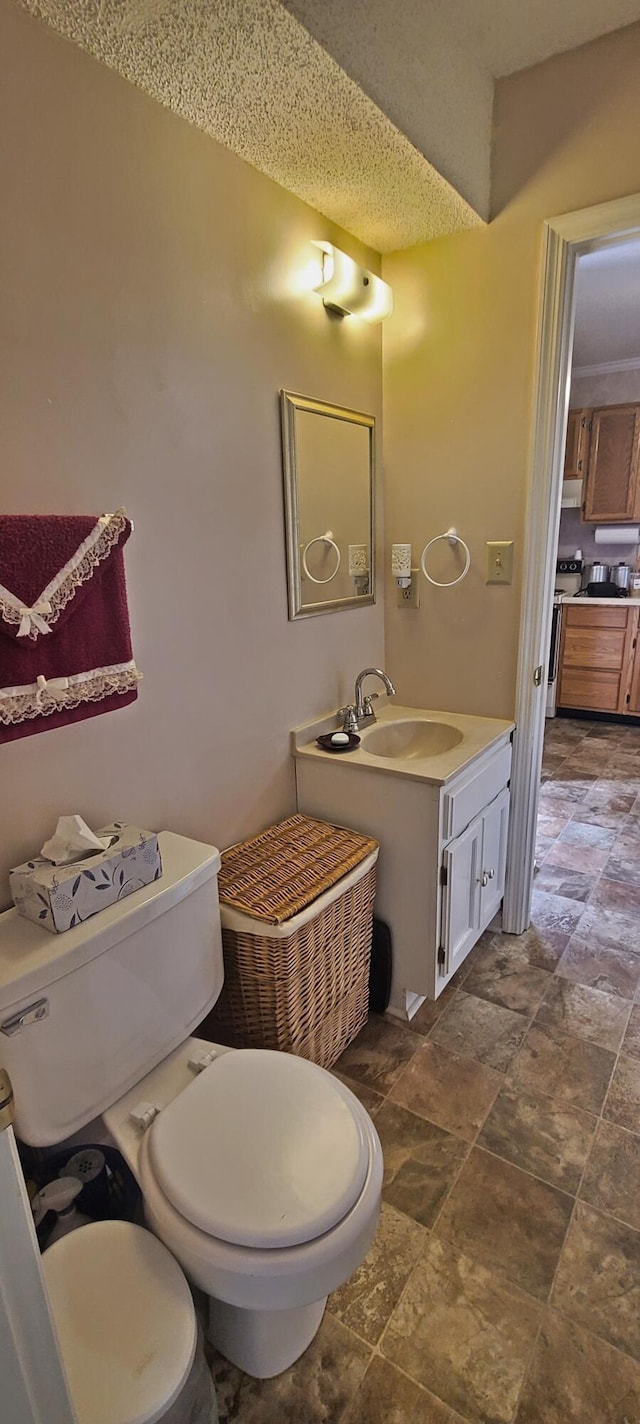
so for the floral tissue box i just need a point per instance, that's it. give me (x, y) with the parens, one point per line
(61, 896)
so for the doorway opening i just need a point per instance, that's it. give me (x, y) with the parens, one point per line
(588, 827)
(566, 241)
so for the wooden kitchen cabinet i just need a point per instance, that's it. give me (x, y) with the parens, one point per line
(597, 656)
(603, 448)
(633, 705)
(612, 487)
(576, 450)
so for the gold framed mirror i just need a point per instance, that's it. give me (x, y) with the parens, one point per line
(329, 490)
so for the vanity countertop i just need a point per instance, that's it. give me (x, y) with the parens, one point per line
(479, 734)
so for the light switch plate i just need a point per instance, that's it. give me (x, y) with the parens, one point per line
(409, 597)
(500, 561)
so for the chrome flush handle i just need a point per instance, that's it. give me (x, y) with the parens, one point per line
(33, 1013)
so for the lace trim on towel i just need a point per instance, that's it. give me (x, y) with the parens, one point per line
(79, 569)
(61, 694)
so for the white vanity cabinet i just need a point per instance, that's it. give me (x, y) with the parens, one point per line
(472, 877)
(443, 843)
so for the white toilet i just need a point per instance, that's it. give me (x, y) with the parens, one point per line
(260, 1171)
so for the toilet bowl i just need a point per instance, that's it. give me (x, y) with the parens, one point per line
(126, 1328)
(260, 1171)
(263, 1175)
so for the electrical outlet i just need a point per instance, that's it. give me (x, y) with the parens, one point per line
(409, 597)
(500, 561)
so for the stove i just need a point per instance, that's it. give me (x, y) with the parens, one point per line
(568, 584)
(568, 577)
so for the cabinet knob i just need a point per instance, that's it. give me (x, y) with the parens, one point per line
(491, 874)
(483, 879)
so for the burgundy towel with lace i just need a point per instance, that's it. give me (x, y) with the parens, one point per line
(65, 643)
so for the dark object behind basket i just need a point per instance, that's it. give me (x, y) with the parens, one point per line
(381, 964)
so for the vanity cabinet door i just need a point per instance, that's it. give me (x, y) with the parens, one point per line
(495, 824)
(462, 867)
(473, 874)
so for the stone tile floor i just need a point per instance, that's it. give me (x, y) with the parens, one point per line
(504, 1283)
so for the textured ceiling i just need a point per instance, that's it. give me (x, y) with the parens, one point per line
(376, 112)
(431, 64)
(420, 69)
(249, 74)
(608, 306)
(500, 36)
(513, 34)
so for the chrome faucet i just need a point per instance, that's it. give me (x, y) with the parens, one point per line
(361, 710)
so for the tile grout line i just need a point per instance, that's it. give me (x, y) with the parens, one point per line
(425, 1388)
(429, 1230)
(578, 1198)
(507, 1083)
(422, 1038)
(364, 1083)
(548, 1303)
(476, 1143)
(383, 1333)
(473, 1143)
(619, 831)
(598, 1118)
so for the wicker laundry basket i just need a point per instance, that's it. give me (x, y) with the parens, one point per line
(296, 905)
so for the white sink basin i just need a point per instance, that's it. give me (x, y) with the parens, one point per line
(411, 738)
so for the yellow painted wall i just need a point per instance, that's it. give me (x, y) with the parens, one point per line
(459, 365)
(150, 315)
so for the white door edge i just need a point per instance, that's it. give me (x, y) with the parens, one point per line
(564, 239)
(34, 1388)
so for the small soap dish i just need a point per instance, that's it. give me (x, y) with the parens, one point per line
(326, 745)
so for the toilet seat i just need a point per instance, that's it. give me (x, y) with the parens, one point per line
(262, 1150)
(125, 1322)
(251, 1278)
(266, 1279)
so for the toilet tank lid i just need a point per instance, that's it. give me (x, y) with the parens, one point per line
(31, 959)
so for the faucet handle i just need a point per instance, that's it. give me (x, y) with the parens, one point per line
(350, 720)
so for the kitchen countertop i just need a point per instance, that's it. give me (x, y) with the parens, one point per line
(478, 735)
(613, 602)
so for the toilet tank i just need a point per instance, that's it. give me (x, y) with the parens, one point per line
(85, 1014)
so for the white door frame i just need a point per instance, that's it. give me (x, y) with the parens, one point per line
(564, 240)
(32, 1380)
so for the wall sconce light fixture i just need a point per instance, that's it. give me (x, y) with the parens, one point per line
(401, 564)
(349, 289)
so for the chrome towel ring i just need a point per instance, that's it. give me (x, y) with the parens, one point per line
(321, 539)
(453, 538)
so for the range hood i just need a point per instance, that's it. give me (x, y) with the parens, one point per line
(571, 494)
